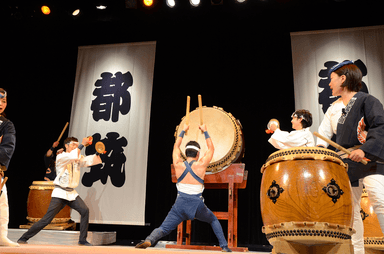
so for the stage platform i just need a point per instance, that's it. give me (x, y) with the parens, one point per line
(65, 242)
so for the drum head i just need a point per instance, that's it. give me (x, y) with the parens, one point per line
(224, 130)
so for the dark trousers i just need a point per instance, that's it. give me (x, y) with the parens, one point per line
(56, 205)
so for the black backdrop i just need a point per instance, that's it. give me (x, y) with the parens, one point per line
(237, 57)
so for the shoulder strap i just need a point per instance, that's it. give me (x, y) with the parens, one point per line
(189, 169)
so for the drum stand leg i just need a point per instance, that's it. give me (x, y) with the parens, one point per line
(281, 246)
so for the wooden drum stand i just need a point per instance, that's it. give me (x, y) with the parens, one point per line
(232, 178)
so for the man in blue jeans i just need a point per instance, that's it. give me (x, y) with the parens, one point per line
(189, 204)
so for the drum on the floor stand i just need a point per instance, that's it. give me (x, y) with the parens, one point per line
(226, 134)
(373, 236)
(39, 198)
(306, 196)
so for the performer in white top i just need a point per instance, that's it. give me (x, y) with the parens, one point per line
(68, 166)
(301, 136)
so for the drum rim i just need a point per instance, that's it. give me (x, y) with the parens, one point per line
(286, 154)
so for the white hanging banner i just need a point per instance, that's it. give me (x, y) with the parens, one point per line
(112, 102)
(315, 52)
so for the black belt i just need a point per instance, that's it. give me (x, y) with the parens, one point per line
(64, 188)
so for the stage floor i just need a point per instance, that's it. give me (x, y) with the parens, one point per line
(65, 242)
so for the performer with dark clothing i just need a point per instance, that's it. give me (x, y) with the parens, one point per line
(360, 129)
(189, 203)
(7, 147)
(50, 162)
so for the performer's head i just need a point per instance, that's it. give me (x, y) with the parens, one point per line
(301, 119)
(192, 149)
(348, 74)
(3, 101)
(70, 144)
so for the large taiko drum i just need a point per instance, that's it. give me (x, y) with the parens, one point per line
(226, 134)
(306, 196)
(373, 236)
(39, 198)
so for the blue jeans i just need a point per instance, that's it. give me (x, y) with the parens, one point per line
(188, 207)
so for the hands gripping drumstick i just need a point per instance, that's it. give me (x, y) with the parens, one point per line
(62, 132)
(336, 146)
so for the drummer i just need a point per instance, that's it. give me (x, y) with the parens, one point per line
(7, 147)
(190, 185)
(301, 136)
(358, 120)
(68, 166)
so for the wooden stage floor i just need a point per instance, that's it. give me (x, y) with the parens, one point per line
(65, 242)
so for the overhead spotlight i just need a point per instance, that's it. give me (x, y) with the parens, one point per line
(76, 12)
(45, 10)
(148, 3)
(194, 3)
(101, 7)
(216, 2)
(241, 1)
(171, 3)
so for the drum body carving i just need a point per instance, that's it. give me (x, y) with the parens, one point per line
(226, 134)
(306, 196)
(373, 236)
(39, 198)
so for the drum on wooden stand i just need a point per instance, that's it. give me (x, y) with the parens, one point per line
(373, 236)
(306, 197)
(39, 198)
(226, 134)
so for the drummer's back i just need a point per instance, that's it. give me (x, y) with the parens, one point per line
(197, 168)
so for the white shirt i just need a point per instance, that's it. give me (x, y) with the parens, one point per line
(328, 126)
(284, 139)
(68, 173)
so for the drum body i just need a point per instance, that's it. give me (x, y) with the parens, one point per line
(39, 198)
(306, 196)
(373, 236)
(226, 134)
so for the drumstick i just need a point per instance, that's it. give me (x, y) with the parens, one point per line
(187, 113)
(336, 146)
(200, 109)
(62, 132)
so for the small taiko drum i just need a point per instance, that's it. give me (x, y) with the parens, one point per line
(306, 197)
(39, 198)
(225, 131)
(373, 236)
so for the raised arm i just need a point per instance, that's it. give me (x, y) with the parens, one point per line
(208, 155)
(176, 154)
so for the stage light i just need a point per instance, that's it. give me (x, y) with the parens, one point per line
(171, 3)
(195, 3)
(45, 10)
(76, 12)
(242, 1)
(101, 7)
(148, 3)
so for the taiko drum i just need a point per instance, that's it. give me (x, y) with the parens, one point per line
(306, 196)
(373, 236)
(225, 131)
(39, 198)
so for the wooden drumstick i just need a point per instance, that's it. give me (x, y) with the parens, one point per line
(200, 109)
(187, 113)
(62, 132)
(336, 146)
